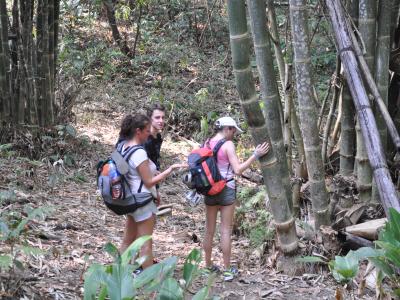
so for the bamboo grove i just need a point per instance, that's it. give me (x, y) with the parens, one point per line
(364, 130)
(28, 56)
(359, 113)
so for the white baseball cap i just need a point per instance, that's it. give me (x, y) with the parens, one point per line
(227, 121)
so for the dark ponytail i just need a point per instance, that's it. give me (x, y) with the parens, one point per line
(129, 125)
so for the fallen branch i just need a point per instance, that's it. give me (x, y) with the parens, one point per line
(163, 212)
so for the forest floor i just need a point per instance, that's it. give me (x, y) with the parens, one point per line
(74, 234)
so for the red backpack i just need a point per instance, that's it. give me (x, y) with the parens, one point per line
(206, 177)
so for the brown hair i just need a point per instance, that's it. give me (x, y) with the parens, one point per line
(129, 125)
(155, 106)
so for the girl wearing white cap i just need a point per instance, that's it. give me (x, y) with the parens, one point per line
(229, 165)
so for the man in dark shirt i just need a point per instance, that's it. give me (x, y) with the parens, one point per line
(156, 113)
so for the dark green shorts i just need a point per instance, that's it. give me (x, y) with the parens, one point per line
(226, 197)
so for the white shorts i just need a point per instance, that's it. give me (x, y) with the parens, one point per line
(145, 212)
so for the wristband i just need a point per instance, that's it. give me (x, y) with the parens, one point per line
(256, 154)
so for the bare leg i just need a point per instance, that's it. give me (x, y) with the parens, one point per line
(226, 232)
(130, 233)
(211, 220)
(146, 228)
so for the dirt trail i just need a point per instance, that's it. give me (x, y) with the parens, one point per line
(81, 225)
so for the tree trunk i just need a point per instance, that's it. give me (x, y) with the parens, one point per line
(287, 126)
(4, 63)
(277, 192)
(308, 114)
(368, 126)
(15, 87)
(41, 105)
(367, 28)
(382, 73)
(110, 9)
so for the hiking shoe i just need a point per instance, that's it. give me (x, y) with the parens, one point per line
(212, 269)
(137, 272)
(230, 274)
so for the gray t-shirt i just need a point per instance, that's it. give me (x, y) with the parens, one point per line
(133, 177)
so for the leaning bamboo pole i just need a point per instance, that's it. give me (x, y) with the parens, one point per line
(345, 45)
(277, 192)
(308, 114)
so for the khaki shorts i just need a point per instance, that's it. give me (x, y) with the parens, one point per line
(225, 198)
(145, 212)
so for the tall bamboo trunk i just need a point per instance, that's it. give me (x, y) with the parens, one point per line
(5, 62)
(51, 50)
(41, 104)
(270, 166)
(277, 48)
(348, 134)
(308, 114)
(367, 28)
(382, 73)
(369, 129)
(394, 21)
(269, 89)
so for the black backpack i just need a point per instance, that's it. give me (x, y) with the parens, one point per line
(128, 201)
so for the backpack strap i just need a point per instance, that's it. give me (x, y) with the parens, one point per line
(217, 147)
(121, 161)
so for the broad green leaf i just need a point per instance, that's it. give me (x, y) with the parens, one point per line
(5, 147)
(31, 250)
(5, 262)
(70, 130)
(394, 223)
(366, 252)
(7, 195)
(112, 250)
(19, 264)
(94, 278)
(120, 282)
(382, 265)
(191, 266)
(148, 276)
(202, 294)
(4, 230)
(310, 259)
(397, 292)
(170, 290)
(133, 249)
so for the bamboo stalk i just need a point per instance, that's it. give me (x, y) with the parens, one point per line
(307, 109)
(269, 88)
(335, 133)
(394, 21)
(270, 167)
(4, 63)
(327, 130)
(323, 106)
(382, 74)
(41, 105)
(287, 133)
(347, 138)
(369, 129)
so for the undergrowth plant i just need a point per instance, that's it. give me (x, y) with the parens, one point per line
(385, 257)
(13, 234)
(251, 218)
(116, 280)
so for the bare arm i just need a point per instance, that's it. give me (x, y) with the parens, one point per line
(238, 167)
(148, 179)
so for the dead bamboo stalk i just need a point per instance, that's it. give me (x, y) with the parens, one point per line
(346, 48)
(375, 92)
